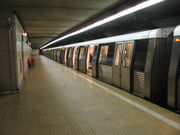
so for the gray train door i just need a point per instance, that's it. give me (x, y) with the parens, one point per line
(71, 57)
(95, 62)
(82, 59)
(89, 57)
(125, 70)
(117, 64)
(65, 56)
(75, 55)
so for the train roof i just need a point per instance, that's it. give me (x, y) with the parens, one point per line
(149, 34)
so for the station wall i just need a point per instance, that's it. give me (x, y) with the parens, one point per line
(14, 53)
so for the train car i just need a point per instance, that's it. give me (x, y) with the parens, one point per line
(137, 63)
(157, 65)
(174, 74)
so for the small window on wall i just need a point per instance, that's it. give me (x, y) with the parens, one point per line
(82, 53)
(118, 54)
(127, 53)
(106, 54)
(140, 55)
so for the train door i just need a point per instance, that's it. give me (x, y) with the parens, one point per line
(69, 57)
(49, 54)
(55, 55)
(89, 58)
(58, 55)
(65, 56)
(139, 67)
(82, 59)
(95, 62)
(75, 57)
(62, 56)
(52, 54)
(117, 64)
(52, 51)
(105, 62)
(125, 70)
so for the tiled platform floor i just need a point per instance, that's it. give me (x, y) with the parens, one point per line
(56, 100)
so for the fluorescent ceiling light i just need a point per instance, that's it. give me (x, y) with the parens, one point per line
(108, 19)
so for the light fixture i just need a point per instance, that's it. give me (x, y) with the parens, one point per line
(177, 40)
(24, 34)
(108, 19)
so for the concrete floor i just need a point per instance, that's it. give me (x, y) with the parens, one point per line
(56, 100)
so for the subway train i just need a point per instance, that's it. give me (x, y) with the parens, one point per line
(146, 63)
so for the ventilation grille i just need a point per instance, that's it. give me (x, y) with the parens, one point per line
(139, 83)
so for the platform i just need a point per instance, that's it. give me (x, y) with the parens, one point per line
(57, 100)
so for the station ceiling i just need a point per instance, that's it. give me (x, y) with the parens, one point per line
(164, 14)
(43, 20)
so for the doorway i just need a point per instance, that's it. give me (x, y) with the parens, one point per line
(89, 59)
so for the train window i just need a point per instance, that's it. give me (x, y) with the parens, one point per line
(118, 54)
(140, 54)
(127, 53)
(82, 53)
(103, 54)
(106, 54)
